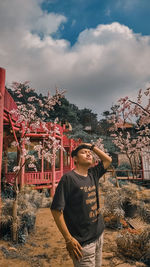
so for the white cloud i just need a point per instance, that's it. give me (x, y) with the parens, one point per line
(106, 62)
(49, 23)
(105, 34)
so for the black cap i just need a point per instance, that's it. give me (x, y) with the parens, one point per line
(75, 151)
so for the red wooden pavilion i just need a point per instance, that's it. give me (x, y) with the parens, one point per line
(47, 175)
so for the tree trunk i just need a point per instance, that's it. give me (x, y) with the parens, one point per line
(115, 175)
(14, 212)
(15, 203)
(131, 166)
(15, 221)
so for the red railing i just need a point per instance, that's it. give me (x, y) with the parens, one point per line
(128, 174)
(58, 176)
(38, 178)
(41, 180)
(32, 178)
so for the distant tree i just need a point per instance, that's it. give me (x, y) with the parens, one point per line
(65, 112)
(105, 123)
(88, 119)
(78, 132)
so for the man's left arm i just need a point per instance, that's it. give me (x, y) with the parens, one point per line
(103, 156)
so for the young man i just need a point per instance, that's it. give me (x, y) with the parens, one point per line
(76, 210)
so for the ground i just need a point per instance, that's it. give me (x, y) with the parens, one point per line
(45, 247)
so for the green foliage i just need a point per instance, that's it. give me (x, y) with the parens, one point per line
(88, 119)
(11, 160)
(79, 133)
(65, 112)
(104, 124)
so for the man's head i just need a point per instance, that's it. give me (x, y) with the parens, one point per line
(82, 155)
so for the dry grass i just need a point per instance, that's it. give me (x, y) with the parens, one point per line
(134, 244)
(28, 203)
(118, 203)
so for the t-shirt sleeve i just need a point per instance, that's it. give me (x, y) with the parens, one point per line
(60, 195)
(98, 170)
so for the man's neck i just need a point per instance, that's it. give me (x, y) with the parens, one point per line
(81, 170)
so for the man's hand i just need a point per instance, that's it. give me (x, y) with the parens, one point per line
(72, 245)
(74, 248)
(102, 155)
(87, 144)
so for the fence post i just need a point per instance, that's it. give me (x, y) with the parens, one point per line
(53, 175)
(22, 173)
(61, 156)
(53, 169)
(70, 150)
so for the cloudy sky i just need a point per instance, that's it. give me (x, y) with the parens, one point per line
(99, 50)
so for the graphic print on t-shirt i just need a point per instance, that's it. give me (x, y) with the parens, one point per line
(91, 201)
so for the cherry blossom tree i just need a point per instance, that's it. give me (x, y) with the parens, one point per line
(135, 140)
(28, 122)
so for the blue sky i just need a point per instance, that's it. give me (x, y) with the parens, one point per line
(98, 50)
(82, 14)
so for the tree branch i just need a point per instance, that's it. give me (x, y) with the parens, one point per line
(146, 111)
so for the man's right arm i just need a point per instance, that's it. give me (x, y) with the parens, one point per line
(73, 246)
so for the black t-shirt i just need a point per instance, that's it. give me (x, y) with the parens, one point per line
(77, 196)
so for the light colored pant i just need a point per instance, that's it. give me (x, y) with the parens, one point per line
(92, 254)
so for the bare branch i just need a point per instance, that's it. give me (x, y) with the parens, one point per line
(135, 103)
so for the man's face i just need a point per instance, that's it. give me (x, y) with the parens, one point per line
(84, 157)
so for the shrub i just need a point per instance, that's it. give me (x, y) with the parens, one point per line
(134, 244)
(122, 170)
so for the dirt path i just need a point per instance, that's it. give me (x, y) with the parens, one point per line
(45, 247)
